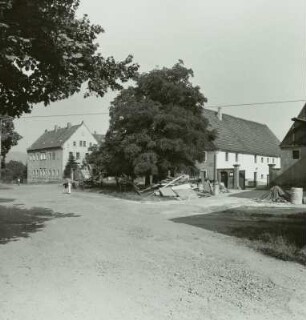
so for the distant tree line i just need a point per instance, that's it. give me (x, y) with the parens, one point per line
(14, 170)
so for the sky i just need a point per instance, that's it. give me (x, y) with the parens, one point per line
(240, 52)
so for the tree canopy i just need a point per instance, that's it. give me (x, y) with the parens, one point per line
(155, 126)
(47, 53)
(9, 138)
(70, 167)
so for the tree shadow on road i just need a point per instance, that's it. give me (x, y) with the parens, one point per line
(18, 222)
(280, 232)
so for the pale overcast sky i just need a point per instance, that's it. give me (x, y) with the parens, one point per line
(240, 51)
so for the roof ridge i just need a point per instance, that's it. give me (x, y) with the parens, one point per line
(54, 138)
(229, 115)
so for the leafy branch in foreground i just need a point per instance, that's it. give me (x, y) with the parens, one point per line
(47, 53)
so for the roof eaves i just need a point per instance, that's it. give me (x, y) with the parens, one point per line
(44, 148)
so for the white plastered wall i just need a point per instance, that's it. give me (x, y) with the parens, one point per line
(247, 163)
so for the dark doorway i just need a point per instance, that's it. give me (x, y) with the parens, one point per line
(224, 178)
(242, 179)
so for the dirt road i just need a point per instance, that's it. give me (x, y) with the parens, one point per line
(123, 260)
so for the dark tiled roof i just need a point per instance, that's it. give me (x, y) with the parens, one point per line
(242, 136)
(54, 138)
(296, 136)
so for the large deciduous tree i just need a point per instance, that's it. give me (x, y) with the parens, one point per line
(47, 53)
(155, 126)
(9, 138)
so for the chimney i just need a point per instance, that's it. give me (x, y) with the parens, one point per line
(68, 124)
(55, 128)
(220, 113)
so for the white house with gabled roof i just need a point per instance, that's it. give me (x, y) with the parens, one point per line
(240, 155)
(49, 154)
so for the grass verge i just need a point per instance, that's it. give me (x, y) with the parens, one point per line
(278, 247)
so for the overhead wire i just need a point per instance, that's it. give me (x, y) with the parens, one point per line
(208, 106)
(256, 103)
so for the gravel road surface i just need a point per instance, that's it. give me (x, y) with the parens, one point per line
(117, 259)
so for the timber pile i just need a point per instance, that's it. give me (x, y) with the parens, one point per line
(276, 194)
(180, 188)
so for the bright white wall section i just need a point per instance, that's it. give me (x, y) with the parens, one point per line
(247, 163)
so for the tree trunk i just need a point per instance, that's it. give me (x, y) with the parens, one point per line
(147, 180)
(3, 162)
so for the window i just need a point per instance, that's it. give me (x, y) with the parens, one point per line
(37, 156)
(262, 159)
(86, 154)
(78, 155)
(262, 176)
(43, 156)
(237, 157)
(70, 154)
(74, 143)
(84, 143)
(81, 143)
(226, 156)
(268, 160)
(255, 158)
(90, 144)
(296, 154)
(273, 160)
(53, 155)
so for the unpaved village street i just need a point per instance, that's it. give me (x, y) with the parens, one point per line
(116, 259)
